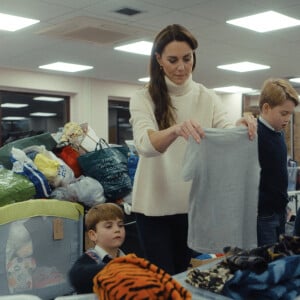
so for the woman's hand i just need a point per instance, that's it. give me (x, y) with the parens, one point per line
(190, 128)
(250, 122)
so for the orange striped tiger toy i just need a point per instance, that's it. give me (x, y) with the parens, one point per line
(131, 277)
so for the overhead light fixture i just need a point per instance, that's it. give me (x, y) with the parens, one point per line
(48, 98)
(296, 79)
(233, 89)
(13, 105)
(244, 66)
(265, 22)
(13, 118)
(142, 47)
(144, 79)
(43, 114)
(65, 67)
(14, 23)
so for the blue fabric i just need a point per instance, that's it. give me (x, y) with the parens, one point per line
(133, 160)
(42, 187)
(280, 281)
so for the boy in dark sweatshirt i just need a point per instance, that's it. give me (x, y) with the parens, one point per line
(277, 103)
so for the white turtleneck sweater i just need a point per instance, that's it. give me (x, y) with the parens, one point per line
(159, 188)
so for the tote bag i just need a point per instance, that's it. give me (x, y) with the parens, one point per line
(109, 166)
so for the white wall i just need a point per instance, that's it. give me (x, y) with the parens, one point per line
(233, 103)
(89, 97)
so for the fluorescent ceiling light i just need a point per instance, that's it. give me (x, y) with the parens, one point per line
(65, 67)
(13, 105)
(12, 118)
(233, 89)
(49, 99)
(244, 66)
(266, 21)
(14, 23)
(144, 79)
(141, 47)
(42, 114)
(297, 80)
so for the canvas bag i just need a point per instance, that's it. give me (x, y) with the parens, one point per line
(109, 166)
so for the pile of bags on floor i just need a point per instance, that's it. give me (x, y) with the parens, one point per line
(72, 164)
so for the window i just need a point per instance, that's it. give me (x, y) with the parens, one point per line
(26, 114)
(119, 127)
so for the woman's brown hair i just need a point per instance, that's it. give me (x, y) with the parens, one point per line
(164, 110)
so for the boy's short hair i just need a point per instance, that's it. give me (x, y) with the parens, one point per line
(276, 91)
(102, 212)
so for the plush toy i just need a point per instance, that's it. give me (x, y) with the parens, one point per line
(19, 264)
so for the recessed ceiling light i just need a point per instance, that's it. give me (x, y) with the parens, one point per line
(233, 89)
(297, 80)
(244, 66)
(49, 99)
(13, 118)
(13, 105)
(43, 114)
(266, 21)
(142, 47)
(14, 23)
(65, 67)
(144, 79)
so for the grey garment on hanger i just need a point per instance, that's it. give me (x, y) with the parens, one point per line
(223, 199)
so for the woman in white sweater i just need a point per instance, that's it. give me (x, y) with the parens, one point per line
(163, 116)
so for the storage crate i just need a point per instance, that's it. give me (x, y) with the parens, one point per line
(40, 241)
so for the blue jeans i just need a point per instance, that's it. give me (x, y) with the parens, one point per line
(269, 227)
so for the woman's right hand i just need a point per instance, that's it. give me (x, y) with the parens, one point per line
(190, 128)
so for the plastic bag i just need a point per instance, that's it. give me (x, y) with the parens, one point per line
(85, 190)
(14, 187)
(24, 165)
(69, 155)
(57, 172)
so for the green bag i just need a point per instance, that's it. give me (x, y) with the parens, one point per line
(42, 139)
(109, 166)
(14, 187)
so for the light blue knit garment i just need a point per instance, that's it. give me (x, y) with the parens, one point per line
(224, 168)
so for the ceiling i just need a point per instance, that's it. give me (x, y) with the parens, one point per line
(86, 31)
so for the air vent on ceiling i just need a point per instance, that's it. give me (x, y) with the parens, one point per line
(127, 11)
(96, 30)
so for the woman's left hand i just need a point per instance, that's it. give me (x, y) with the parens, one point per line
(250, 122)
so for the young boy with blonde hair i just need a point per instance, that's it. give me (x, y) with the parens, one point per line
(105, 228)
(277, 103)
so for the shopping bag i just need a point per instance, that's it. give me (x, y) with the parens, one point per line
(109, 166)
